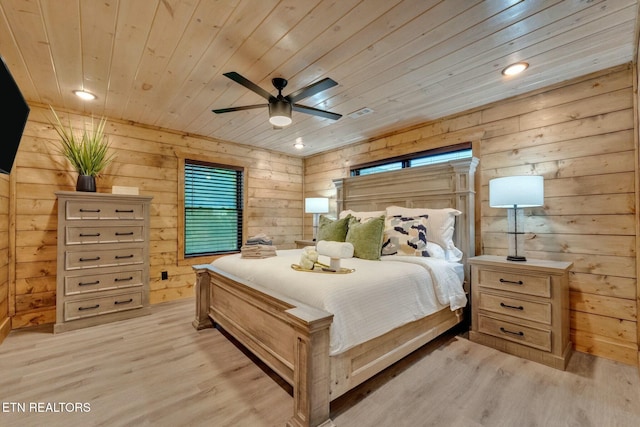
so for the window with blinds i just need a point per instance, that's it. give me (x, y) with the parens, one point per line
(213, 204)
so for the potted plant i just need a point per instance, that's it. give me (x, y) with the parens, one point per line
(86, 150)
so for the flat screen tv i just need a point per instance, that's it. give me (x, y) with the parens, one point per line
(13, 118)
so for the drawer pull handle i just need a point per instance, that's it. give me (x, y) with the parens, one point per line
(124, 211)
(90, 210)
(97, 282)
(124, 256)
(123, 302)
(126, 279)
(519, 282)
(89, 259)
(89, 235)
(511, 306)
(93, 307)
(130, 233)
(506, 331)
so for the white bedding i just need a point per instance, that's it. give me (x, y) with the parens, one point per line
(378, 297)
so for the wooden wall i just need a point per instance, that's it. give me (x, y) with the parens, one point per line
(5, 321)
(580, 136)
(146, 159)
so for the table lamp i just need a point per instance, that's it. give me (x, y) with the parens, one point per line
(515, 193)
(316, 206)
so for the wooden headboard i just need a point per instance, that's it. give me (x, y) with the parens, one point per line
(442, 185)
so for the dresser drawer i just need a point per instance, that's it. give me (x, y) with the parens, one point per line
(90, 307)
(102, 258)
(81, 284)
(532, 337)
(513, 281)
(84, 210)
(535, 311)
(115, 234)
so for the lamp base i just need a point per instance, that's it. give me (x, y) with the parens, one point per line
(516, 258)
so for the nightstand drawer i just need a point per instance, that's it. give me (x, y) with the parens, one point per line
(517, 333)
(98, 306)
(515, 281)
(535, 311)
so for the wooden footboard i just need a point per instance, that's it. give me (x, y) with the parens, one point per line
(290, 337)
(363, 361)
(293, 339)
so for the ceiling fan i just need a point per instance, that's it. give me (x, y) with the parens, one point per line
(280, 106)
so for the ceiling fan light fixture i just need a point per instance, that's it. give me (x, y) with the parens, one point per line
(280, 113)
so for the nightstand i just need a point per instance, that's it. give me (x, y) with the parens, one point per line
(304, 243)
(522, 308)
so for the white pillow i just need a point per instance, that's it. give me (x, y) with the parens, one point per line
(362, 216)
(435, 250)
(441, 224)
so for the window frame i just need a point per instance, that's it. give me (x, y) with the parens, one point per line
(184, 158)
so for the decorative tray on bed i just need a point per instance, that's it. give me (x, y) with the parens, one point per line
(318, 269)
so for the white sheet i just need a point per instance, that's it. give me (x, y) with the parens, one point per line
(376, 298)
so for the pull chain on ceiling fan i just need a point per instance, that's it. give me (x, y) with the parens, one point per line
(280, 106)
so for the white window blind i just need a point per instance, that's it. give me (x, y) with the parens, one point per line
(213, 204)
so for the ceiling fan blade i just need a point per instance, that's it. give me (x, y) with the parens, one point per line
(311, 90)
(248, 84)
(246, 107)
(316, 112)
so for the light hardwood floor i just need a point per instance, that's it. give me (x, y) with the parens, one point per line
(157, 370)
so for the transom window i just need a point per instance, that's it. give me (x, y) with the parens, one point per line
(459, 151)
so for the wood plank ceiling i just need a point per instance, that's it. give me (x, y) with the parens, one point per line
(160, 63)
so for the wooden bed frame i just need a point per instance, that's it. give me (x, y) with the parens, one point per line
(293, 338)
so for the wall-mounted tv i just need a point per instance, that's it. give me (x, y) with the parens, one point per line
(13, 118)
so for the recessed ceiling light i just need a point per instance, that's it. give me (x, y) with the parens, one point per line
(514, 69)
(87, 96)
(298, 144)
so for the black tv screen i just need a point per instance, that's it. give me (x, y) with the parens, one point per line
(12, 119)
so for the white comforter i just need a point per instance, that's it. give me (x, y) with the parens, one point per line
(378, 297)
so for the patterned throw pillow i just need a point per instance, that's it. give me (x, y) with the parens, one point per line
(405, 236)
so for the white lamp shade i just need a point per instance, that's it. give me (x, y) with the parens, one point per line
(316, 205)
(522, 191)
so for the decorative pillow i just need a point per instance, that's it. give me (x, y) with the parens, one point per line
(362, 216)
(441, 224)
(366, 237)
(405, 236)
(332, 229)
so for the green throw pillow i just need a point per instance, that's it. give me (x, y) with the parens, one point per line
(334, 230)
(366, 237)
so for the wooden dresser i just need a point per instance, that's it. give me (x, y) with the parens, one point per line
(522, 308)
(103, 258)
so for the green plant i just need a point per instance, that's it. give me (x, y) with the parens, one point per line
(86, 150)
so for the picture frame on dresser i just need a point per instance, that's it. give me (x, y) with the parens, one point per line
(102, 258)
